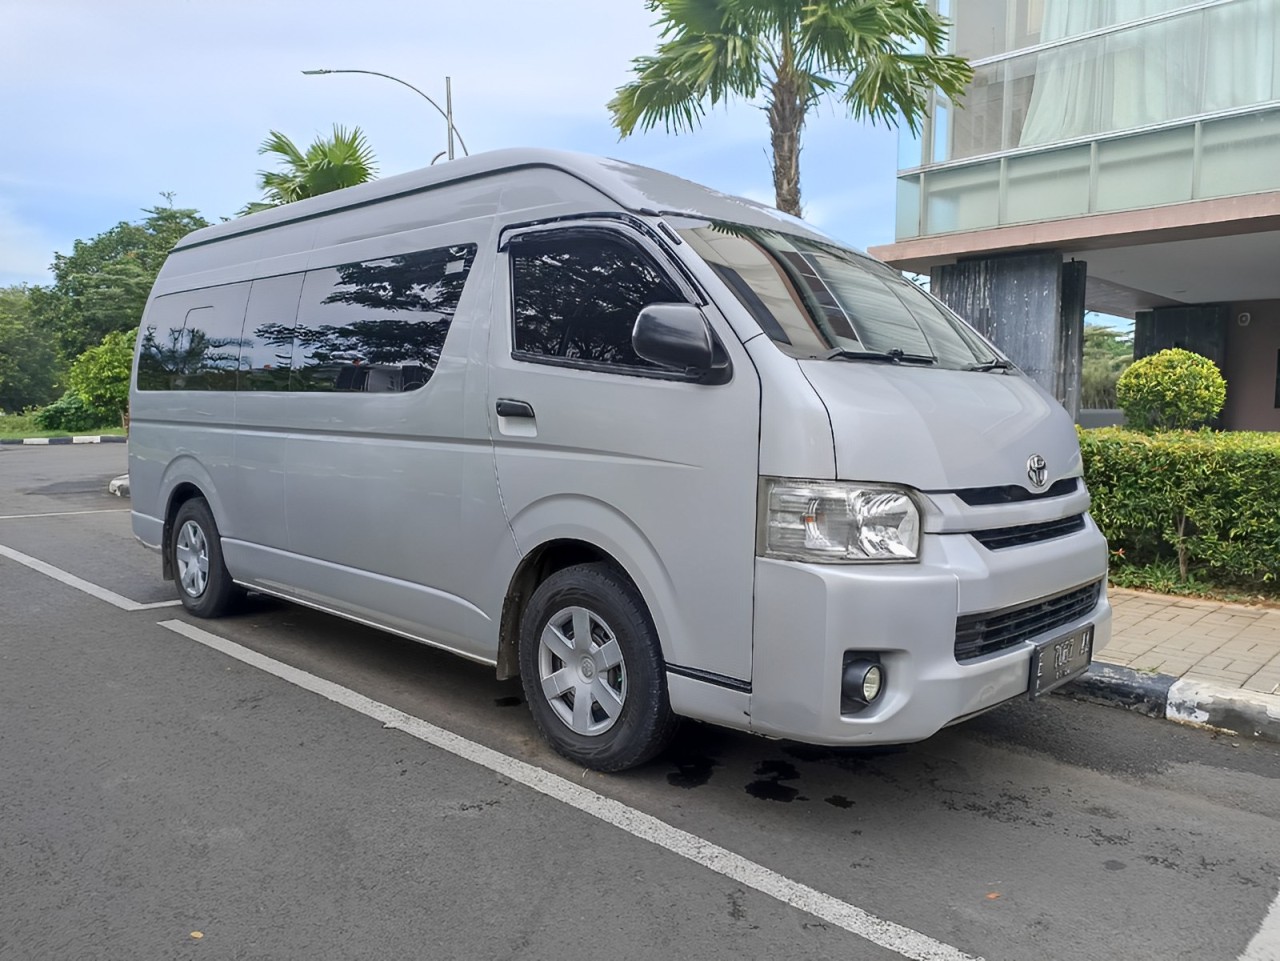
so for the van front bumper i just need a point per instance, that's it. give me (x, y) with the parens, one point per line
(808, 615)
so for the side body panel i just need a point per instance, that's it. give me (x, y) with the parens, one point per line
(661, 474)
(373, 481)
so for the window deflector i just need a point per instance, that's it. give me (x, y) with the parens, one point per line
(670, 265)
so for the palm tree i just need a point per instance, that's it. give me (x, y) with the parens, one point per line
(329, 164)
(796, 52)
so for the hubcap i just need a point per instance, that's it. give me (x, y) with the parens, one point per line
(192, 554)
(581, 670)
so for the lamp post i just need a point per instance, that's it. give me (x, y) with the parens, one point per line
(447, 113)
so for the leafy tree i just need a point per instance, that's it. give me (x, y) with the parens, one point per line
(28, 364)
(795, 52)
(102, 285)
(1107, 353)
(100, 376)
(344, 160)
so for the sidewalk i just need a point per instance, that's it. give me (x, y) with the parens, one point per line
(1231, 644)
(1191, 660)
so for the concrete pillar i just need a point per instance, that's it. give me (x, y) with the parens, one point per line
(1031, 306)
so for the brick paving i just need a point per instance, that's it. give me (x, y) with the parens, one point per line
(1233, 645)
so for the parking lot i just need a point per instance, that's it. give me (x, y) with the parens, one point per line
(285, 784)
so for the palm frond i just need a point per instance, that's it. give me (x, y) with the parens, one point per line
(709, 52)
(277, 143)
(329, 163)
(892, 86)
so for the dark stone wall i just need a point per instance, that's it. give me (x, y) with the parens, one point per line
(1031, 306)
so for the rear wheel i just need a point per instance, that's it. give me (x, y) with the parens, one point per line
(205, 587)
(592, 669)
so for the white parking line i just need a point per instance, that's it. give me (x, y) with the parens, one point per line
(105, 510)
(80, 584)
(893, 937)
(1265, 945)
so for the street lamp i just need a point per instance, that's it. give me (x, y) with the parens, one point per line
(448, 99)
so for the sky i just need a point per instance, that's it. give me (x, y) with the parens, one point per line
(107, 104)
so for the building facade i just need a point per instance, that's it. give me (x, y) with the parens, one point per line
(1121, 156)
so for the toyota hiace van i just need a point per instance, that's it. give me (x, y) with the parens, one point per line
(658, 451)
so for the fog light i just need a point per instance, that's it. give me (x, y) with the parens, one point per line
(860, 684)
(871, 683)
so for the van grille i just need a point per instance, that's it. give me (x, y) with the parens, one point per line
(980, 634)
(984, 496)
(1002, 537)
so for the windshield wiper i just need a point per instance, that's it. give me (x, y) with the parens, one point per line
(894, 356)
(997, 364)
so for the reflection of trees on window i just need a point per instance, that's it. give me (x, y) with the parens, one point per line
(187, 358)
(375, 347)
(578, 293)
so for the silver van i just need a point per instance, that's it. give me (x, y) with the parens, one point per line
(659, 451)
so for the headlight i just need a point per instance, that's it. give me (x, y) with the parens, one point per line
(837, 523)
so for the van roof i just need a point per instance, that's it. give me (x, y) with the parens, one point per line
(641, 190)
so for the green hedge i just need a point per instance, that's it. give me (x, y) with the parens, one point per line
(1210, 501)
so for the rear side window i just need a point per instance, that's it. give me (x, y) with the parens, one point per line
(192, 340)
(376, 325)
(576, 295)
(266, 349)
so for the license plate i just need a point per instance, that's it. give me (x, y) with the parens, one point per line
(1055, 662)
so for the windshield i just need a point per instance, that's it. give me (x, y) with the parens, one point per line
(817, 300)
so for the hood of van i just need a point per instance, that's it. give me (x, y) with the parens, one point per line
(942, 430)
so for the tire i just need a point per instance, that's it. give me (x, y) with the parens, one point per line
(602, 703)
(195, 551)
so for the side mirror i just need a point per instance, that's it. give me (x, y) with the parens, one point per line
(677, 335)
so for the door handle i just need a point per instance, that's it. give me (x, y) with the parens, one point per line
(506, 407)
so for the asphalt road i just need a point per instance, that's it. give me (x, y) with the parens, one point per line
(153, 787)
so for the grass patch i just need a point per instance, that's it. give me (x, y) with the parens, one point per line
(14, 426)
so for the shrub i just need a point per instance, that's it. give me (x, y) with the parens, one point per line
(70, 413)
(1210, 501)
(1171, 390)
(100, 376)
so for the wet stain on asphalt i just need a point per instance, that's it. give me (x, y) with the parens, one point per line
(839, 801)
(692, 770)
(770, 786)
(1114, 865)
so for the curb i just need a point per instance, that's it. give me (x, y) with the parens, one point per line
(52, 441)
(1187, 700)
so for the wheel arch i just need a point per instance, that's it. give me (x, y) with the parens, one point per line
(534, 568)
(181, 493)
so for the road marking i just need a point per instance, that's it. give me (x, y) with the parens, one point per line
(1265, 945)
(105, 510)
(894, 937)
(101, 593)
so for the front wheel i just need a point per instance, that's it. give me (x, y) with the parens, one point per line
(205, 587)
(592, 669)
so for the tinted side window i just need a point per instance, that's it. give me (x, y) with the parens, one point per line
(267, 351)
(192, 341)
(374, 326)
(577, 293)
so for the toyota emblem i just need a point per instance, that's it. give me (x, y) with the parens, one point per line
(1037, 471)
